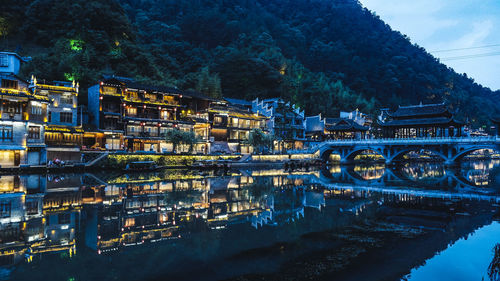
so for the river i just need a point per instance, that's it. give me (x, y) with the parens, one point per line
(416, 221)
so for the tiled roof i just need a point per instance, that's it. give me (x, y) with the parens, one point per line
(421, 110)
(315, 124)
(338, 124)
(422, 121)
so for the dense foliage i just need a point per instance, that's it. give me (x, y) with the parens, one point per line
(324, 55)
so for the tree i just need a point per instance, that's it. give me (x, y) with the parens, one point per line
(494, 267)
(177, 137)
(259, 140)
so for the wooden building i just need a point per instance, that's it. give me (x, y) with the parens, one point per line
(421, 121)
(344, 128)
(63, 134)
(232, 125)
(23, 115)
(136, 117)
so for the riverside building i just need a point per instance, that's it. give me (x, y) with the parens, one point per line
(22, 117)
(63, 134)
(135, 117)
(421, 121)
(286, 122)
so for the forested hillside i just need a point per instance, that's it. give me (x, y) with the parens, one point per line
(324, 55)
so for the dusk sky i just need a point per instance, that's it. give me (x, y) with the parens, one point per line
(449, 25)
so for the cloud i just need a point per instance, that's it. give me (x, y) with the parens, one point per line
(449, 24)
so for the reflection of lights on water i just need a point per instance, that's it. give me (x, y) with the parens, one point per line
(424, 171)
(370, 172)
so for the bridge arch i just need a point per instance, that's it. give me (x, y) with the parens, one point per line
(400, 153)
(462, 152)
(351, 155)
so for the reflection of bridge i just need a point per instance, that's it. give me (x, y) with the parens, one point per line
(391, 177)
(346, 180)
(449, 149)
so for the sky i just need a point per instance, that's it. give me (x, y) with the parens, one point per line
(443, 25)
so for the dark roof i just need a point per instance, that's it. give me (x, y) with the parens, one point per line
(162, 89)
(235, 111)
(421, 110)
(238, 102)
(422, 121)
(131, 84)
(343, 124)
(496, 119)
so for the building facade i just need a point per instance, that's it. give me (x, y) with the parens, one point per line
(416, 121)
(232, 125)
(344, 128)
(63, 133)
(136, 117)
(23, 116)
(286, 122)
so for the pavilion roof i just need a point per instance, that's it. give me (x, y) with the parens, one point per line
(421, 110)
(343, 124)
(438, 121)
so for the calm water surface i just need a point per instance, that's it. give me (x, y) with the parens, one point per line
(419, 221)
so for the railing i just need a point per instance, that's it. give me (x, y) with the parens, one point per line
(415, 140)
(436, 140)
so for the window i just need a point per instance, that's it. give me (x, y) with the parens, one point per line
(109, 90)
(34, 132)
(6, 132)
(5, 209)
(11, 107)
(66, 99)
(50, 117)
(64, 218)
(66, 117)
(11, 84)
(150, 97)
(165, 115)
(132, 111)
(32, 207)
(4, 60)
(36, 109)
(217, 120)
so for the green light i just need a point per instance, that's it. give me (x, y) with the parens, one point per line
(76, 44)
(70, 76)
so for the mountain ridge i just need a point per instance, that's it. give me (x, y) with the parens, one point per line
(323, 55)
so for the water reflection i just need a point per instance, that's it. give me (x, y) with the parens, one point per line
(82, 217)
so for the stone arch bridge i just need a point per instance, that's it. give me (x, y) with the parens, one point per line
(451, 150)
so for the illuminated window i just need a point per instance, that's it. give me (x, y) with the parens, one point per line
(36, 109)
(129, 222)
(217, 120)
(66, 99)
(132, 111)
(6, 132)
(34, 132)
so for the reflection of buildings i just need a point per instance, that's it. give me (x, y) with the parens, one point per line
(38, 216)
(42, 214)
